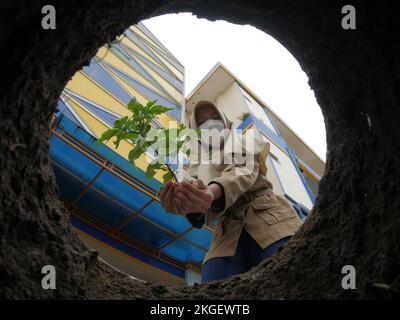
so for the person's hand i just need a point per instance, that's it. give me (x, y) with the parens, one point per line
(167, 201)
(194, 197)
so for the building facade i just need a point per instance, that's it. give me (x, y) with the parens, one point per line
(113, 206)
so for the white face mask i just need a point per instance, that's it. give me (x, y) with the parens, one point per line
(215, 126)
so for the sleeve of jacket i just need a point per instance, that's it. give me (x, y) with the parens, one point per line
(234, 180)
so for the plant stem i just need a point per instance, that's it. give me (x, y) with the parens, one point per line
(172, 172)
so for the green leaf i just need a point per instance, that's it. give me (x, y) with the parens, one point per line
(121, 123)
(159, 109)
(244, 116)
(134, 106)
(135, 153)
(156, 164)
(107, 135)
(119, 136)
(150, 172)
(151, 103)
(129, 136)
(168, 177)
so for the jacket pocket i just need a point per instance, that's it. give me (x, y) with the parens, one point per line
(272, 209)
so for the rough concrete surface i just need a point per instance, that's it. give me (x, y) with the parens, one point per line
(355, 76)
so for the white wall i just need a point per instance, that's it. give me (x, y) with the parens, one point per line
(232, 103)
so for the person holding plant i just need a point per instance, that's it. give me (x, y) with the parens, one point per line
(252, 223)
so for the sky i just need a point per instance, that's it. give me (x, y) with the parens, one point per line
(257, 59)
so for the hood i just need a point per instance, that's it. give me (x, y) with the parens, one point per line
(193, 123)
(261, 149)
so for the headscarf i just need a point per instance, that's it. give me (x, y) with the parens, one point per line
(261, 147)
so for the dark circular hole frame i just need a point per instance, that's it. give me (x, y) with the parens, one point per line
(358, 100)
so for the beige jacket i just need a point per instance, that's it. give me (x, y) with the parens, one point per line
(267, 218)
